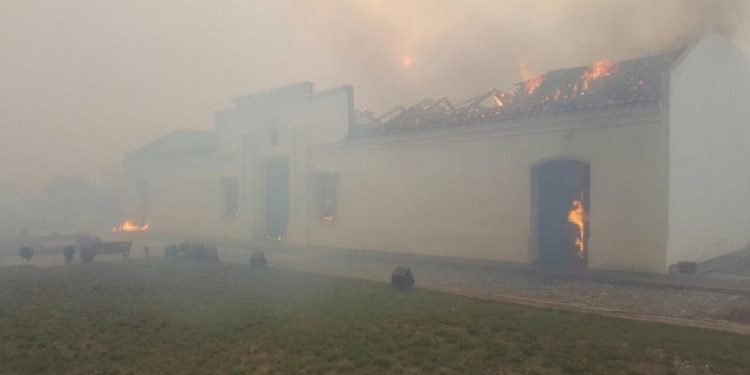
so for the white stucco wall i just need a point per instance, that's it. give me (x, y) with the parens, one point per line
(709, 136)
(468, 193)
(325, 114)
(460, 193)
(330, 115)
(185, 194)
(185, 198)
(322, 117)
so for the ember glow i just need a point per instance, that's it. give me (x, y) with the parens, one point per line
(530, 81)
(406, 60)
(577, 216)
(130, 227)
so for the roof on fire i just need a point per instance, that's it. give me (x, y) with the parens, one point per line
(634, 82)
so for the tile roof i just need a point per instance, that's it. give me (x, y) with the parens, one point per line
(603, 85)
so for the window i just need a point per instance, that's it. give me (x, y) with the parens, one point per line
(325, 196)
(230, 189)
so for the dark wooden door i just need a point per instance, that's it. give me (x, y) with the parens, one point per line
(558, 184)
(277, 197)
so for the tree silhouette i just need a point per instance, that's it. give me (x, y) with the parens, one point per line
(27, 253)
(69, 252)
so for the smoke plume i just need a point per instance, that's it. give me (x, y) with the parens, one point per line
(84, 82)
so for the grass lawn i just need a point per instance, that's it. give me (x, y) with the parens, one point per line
(170, 317)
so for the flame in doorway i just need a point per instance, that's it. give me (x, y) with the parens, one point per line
(577, 216)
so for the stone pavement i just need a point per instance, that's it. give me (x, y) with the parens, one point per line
(681, 299)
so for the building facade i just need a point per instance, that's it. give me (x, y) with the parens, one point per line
(634, 166)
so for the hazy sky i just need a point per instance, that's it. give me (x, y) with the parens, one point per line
(82, 82)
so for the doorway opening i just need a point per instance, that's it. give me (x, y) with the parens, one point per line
(560, 202)
(277, 198)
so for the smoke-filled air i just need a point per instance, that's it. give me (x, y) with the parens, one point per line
(375, 187)
(84, 82)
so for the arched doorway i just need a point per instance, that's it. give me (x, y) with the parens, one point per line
(560, 204)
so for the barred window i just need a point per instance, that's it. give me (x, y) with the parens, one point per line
(325, 196)
(230, 189)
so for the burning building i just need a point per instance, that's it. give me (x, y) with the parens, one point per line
(633, 166)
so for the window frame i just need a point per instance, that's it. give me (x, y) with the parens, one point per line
(325, 188)
(228, 183)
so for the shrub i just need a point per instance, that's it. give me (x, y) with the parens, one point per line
(171, 251)
(203, 254)
(27, 253)
(258, 260)
(192, 251)
(69, 251)
(87, 254)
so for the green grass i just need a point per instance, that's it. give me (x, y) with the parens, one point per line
(169, 317)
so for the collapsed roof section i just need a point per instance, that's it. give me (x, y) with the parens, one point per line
(602, 85)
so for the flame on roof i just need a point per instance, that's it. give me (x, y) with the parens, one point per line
(604, 84)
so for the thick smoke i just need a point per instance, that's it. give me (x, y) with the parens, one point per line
(84, 82)
(459, 49)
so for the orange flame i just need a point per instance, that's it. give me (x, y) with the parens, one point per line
(130, 227)
(530, 82)
(577, 216)
(601, 69)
